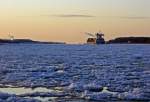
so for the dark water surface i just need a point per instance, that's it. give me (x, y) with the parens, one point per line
(74, 73)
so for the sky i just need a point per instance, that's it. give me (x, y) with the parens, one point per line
(68, 20)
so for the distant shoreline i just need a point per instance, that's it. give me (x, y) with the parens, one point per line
(119, 40)
(129, 40)
(26, 41)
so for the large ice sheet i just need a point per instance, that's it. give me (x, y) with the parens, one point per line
(80, 71)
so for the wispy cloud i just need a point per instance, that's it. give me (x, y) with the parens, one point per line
(91, 16)
(70, 16)
(128, 17)
(134, 17)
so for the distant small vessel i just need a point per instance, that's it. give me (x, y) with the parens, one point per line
(96, 39)
(11, 37)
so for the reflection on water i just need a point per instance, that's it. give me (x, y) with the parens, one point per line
(22, 90)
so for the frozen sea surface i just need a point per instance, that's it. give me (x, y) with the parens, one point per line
(74, 73)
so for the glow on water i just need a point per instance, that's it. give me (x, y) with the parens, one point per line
(23, 90)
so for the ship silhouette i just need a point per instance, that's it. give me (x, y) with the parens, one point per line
(97, 38)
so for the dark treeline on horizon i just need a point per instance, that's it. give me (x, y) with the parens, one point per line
(27, 41)
(130, 40)
(119, 40)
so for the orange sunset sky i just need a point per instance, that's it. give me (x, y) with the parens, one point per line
(67, 20)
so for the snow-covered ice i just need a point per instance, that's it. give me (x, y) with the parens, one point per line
(75, 72)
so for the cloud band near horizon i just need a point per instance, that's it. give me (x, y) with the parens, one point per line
(73, 16)
(91, 16)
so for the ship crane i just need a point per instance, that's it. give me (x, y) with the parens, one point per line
(89, 34)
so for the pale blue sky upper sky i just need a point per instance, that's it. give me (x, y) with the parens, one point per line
(129, 7)
(129, 15)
